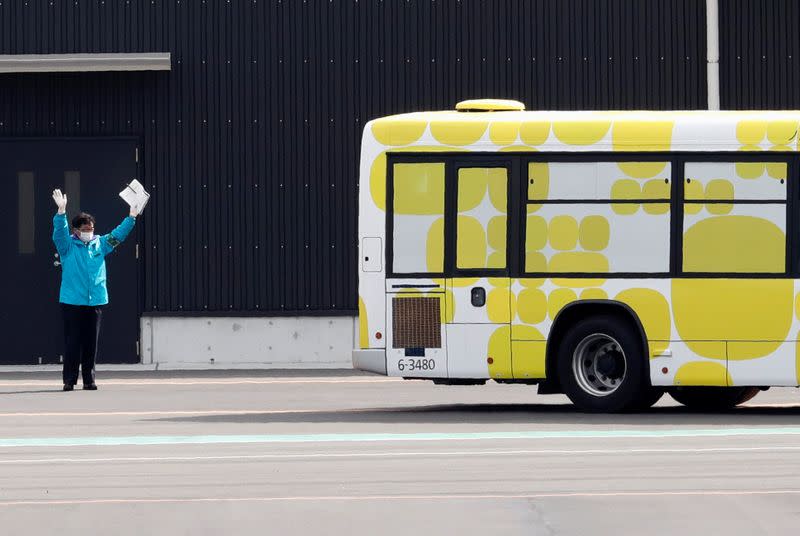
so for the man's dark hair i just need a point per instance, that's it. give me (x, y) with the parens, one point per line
(82, 219)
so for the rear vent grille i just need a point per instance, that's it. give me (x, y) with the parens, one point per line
(416, 323)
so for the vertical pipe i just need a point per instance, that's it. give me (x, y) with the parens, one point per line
(712, 52)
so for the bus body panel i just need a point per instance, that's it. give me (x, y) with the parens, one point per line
(702, 328)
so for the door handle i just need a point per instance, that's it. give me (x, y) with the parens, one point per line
(478, 296)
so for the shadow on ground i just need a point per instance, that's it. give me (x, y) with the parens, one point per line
(510, 414)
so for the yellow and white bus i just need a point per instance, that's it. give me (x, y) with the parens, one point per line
(610, 256)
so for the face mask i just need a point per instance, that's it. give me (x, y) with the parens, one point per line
(86, 236)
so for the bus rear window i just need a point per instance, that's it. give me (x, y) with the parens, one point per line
(418, 218)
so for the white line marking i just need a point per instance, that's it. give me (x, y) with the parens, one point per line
(362, 438)
(443, 497)
(322, 455)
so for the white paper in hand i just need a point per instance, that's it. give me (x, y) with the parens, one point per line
(135, 195)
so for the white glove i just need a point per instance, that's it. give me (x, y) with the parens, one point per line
(61, 201)
(134, 211)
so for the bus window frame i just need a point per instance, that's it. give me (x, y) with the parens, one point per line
(790, 216)
(414, 158)
(517, 165)
(451, 216)
(594, 157)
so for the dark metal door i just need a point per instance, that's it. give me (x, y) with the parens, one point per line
(91, 172)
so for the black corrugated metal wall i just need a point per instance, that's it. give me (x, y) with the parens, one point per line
(759, 54)
(251, 142)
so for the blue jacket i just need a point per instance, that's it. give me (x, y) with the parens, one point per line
(83, 266)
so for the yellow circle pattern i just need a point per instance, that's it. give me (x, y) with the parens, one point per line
(392, 132)
(534, 132)
(594, 233)
(532, 306)
(581, 132)
(504, 132)
(458, 133)
(702, 373)
(563, 233)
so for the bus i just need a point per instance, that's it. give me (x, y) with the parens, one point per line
(612, 256)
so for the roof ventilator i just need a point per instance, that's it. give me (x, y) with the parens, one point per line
(490, 105)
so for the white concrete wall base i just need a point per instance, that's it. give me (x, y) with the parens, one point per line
(57, 368)
(251, 366)
(202, 343)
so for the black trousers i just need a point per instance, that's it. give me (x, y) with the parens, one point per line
(81, 332)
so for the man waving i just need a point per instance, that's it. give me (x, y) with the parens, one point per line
(83, 286)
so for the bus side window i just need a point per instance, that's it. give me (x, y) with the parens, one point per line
(598, 217)
(482, 218)
(734, 217)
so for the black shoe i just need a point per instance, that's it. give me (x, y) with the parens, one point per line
(68, 387)
(90, 387)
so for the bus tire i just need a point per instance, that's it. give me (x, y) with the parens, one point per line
(601, 365)
(712, 398)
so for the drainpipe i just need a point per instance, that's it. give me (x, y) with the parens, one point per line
(712, 52)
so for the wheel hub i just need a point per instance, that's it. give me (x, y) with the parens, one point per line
(611, 363)
(599, 364)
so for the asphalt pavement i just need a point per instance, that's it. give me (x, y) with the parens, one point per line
(336, 452)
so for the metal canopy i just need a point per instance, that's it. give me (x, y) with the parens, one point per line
(65, 63)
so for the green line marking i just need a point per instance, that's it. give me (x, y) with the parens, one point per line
(101, 441)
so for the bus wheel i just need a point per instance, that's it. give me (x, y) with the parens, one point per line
(712, 398)
(601, 365)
